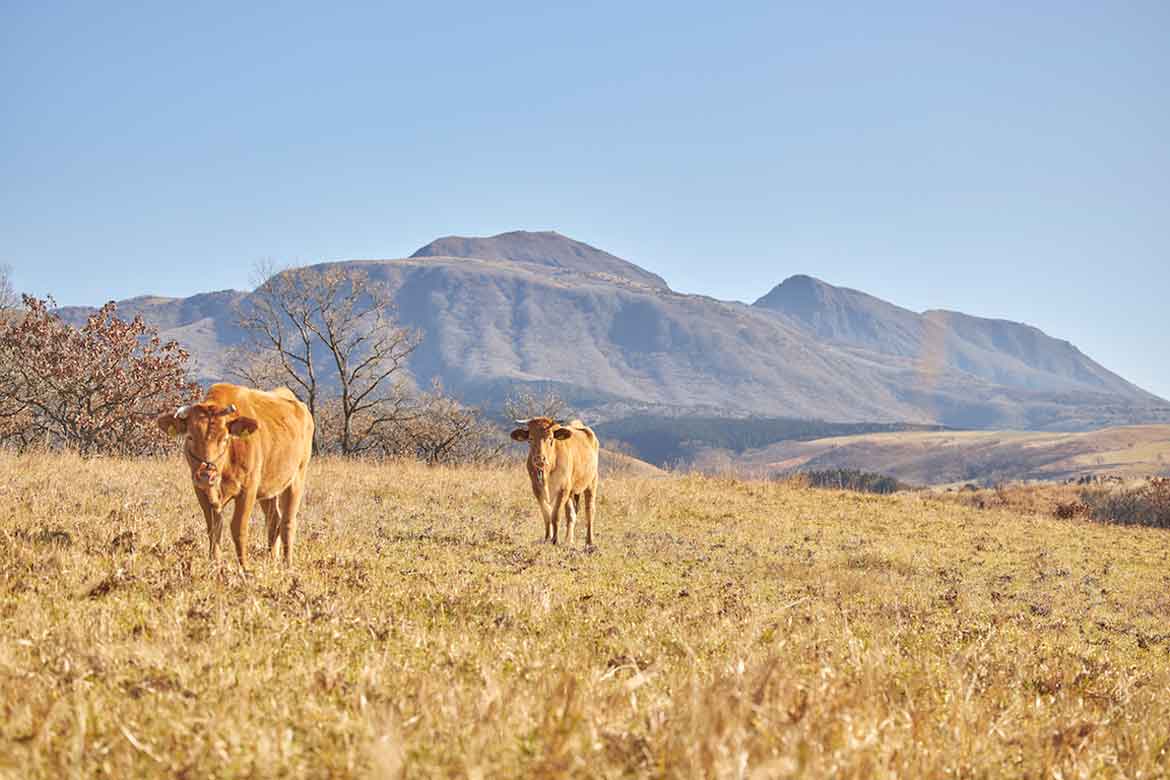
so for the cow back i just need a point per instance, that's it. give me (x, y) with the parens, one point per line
(283, 442)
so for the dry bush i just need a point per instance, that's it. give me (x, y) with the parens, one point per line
(431, 427)
(1147, 504)
(1067, 510)
(1044, 498)
(723, 628)
(96, 389)
(852, 479)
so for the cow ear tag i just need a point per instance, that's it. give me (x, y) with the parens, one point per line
(244, 433)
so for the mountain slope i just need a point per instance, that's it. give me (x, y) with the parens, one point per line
(845, 316)
(205, 324)
(999, 351)
(615, 343)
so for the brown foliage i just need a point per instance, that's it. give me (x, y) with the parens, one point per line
(1066, 510)
(96, 388)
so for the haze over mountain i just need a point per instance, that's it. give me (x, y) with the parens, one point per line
(524, 307)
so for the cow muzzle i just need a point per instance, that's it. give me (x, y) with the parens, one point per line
(204, 472)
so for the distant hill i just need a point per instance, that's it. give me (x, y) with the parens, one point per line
(205, 324)
(985, 457)
(612, 463)
(999, 351)
(673, 441)
(524, 308)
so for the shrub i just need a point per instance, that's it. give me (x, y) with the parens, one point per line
(852, 479)
(1148, 504)
(1067, 510)
(97, 388)
(432, 427)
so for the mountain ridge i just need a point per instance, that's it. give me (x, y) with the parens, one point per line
(995, 349)
(569, 315)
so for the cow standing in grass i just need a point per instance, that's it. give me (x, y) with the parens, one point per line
(245, 446)
(562, 467)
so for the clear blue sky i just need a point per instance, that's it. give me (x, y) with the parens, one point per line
(1000, 160)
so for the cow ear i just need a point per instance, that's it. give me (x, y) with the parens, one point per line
(170, 424)
(562, 433)
(243, 427)
(520, 434)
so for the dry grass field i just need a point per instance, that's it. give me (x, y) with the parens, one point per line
(956, 457)
(721, 629)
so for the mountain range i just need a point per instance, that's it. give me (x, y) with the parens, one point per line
(541, 309)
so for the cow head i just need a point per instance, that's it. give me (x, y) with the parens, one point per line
(541, 433)
(208, 429)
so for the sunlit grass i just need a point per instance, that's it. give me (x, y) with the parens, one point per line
(722, 629)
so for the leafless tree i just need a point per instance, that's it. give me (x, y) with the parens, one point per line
(449, 432)
(368, 349)
(435, 428)
(276, 318)
(8, 298)
(261, 369)
(330, 330)
(524, 404)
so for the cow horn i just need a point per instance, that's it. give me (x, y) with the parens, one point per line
(521, 422)
(182, 412)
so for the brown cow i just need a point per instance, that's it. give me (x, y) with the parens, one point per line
(246, 445)
(562, 467)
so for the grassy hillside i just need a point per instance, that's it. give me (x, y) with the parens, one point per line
(938, 458)
(722, 629)
(668, 441)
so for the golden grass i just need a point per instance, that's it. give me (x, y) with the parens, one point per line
(1032, 498)
(723, 629)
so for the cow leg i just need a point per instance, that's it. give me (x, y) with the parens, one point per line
(545, 515)
(271, 523)
(214, 518)
(557, 505)
(290, 505)
(241, 514)
(571, 518)
(590, 508)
